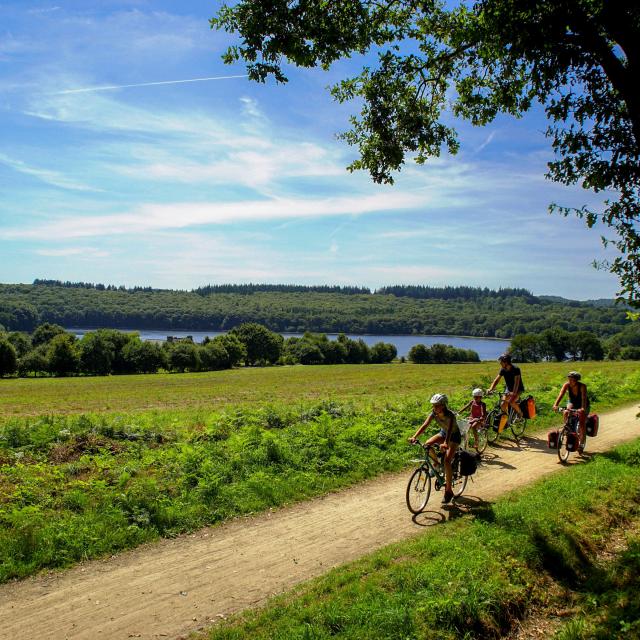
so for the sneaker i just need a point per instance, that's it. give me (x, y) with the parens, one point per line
(448, 495)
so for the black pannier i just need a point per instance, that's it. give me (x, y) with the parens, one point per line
(468, 463)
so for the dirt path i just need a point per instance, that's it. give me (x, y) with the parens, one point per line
(172, 587)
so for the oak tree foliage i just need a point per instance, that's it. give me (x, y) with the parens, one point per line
(579, 59)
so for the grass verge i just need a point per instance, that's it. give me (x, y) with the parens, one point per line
(474, 577)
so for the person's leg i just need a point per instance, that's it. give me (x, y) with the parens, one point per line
(582, 428)
(448, 467)
(514, 402)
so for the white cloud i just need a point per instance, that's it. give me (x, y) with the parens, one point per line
(85, 252)
(45, 175)
(157, 217)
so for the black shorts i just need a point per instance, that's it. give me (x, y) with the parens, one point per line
(456, 436)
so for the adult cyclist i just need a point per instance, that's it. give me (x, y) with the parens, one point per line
(512, 381)
(448, 437)
(578, 401)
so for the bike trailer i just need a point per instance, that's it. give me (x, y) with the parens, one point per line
(468, 463)
(572, 441)
(528, 407)
(592, 425)
(552, 438)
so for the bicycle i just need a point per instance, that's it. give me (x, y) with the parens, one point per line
(467, 435)
(569, 435)
(516, 422)
(419, 485)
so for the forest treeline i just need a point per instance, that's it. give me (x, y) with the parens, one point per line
(51, 350)
(284, 308)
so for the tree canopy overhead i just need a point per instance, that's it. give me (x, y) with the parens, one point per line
(580, 59)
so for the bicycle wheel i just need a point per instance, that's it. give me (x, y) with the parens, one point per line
(418, 490)
(518, 425)
(563, 452)
(458, 484)
(491, 425)
(482, 439)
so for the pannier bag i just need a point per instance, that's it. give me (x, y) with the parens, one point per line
(528, 407)
(552, 439)
(592, 425)
(572, 441)
(468, 463)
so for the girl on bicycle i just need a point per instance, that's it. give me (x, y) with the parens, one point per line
(449, 437)
(478, 413)
(513, 383)
(578, 401)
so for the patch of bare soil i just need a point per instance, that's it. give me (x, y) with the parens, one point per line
(170, 588)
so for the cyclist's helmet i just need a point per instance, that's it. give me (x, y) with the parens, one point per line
(574, 374)
(505, 357)
(439, 398)
(477, 393)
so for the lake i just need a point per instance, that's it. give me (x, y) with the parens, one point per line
(486, 348)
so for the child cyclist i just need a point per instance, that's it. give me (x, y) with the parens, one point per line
(477, 415)
(449, 437)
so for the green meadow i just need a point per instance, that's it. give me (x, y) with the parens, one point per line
(212, 391)
(90, 466)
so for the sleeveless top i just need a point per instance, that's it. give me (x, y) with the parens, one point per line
(576, 400)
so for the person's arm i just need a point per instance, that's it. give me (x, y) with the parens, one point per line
(516, 385)
(484, 410)
(494, 383)
(424, 425)
(560, 396)
(584, 396)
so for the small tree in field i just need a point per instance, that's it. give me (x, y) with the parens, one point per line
(8, 358)
(62, 354)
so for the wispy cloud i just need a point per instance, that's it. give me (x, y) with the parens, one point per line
(145, 84)
(85, 252)
(53, 178)
(157, 217)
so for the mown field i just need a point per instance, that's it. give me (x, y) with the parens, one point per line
(89, 466)
(213, 391)
(566, 549)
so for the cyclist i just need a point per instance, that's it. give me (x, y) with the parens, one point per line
(578, 401)
(477, 415)
(449, 437)
(513, 384)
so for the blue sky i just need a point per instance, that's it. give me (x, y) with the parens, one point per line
(182, 184)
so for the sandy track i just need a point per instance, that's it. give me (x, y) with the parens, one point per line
(167, 589)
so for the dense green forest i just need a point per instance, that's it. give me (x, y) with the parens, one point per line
(285, 308)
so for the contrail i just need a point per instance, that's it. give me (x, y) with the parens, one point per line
(145, 84)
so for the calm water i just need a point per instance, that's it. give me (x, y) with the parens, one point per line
(487, 348)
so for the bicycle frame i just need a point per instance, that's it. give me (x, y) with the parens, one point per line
(419, 486)
(570, 425)
(515, 422)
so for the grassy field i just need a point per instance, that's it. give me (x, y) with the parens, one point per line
(476, 576)
(87, 468)
(212, 391)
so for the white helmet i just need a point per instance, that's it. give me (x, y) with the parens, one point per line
(439, 398)
(477, 392)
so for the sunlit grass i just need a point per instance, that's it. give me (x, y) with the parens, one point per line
(211, 391)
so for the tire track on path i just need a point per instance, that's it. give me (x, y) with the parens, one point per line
(169, 588)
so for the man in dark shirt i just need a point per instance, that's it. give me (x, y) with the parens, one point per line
(513, 383)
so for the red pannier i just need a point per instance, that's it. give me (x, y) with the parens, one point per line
(552, 438)
(592, 425)
(572, 441)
